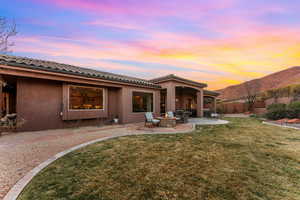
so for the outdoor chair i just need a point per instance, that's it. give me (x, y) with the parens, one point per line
(182, 115)
(170, 114)
(150, 121)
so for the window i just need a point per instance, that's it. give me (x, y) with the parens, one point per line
(83, 98)
(142, 102)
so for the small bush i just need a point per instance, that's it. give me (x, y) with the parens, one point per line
(277, 111)
(294, 109)
(276, 106)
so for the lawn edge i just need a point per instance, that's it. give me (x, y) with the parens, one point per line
(17, 189)
(278, 125)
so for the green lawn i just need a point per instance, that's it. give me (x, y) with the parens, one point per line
(240, 160)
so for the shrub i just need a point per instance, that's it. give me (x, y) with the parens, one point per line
(277, 111)
(294, 109)
(220, 110)
(276, 106)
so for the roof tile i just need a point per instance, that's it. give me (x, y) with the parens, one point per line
(65, 68)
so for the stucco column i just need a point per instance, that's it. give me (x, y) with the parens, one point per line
(215, 105)
(200, 103)
(171, 98)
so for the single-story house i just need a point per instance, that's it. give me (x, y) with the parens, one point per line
(50, 95)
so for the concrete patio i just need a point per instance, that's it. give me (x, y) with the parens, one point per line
(207, 121)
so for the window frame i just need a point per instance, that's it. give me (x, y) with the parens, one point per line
(82, 86)
(143, 91)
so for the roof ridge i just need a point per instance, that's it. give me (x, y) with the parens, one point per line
(173, 76)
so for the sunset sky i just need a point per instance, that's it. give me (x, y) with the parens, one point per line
(219, 42)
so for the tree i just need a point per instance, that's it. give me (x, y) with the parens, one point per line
(252, 90)
(7, 30)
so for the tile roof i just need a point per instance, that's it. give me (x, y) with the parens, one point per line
(174, 77)
(36, 64)
(212, 93)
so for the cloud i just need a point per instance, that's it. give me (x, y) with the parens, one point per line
(114, 24)
(143, 8)
(218, 41)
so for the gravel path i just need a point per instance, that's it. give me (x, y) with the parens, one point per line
(21, 152)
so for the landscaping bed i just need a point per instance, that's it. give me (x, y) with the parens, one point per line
(240, 160)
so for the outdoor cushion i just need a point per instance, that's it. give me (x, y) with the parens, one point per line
(149, 116)
(171, 115)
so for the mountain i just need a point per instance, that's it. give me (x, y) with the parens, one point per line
(276, 80)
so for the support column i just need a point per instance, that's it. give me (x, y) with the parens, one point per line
(200, 103)
(171, 98)
(215, 105)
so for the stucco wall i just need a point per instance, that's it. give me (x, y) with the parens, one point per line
(260, 111)
(235, 107)
(241, 107)
(113, 102)
(40, 103)
(128, 116)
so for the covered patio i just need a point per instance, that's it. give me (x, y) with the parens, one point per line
(210, 102)
(182, 94)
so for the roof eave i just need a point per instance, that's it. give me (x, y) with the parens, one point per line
(37, 68)
(201, 85)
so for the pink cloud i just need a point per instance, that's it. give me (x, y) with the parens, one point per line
(115, 24)
(144, 8)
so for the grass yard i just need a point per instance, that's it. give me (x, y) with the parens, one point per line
(240, 160)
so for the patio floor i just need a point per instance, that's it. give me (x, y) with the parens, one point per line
(23, 151)
(207, 121)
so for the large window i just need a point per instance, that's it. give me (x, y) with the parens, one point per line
(84, 98)
(142, 102)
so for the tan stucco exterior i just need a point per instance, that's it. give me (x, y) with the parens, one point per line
(42, 99)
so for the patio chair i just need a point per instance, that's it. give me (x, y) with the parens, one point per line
(171, 115)
(150, 121)
(180, 115)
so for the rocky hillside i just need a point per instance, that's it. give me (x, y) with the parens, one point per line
(276, 80)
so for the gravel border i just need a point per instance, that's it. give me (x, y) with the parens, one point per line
(278, 125)
(16, 190)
